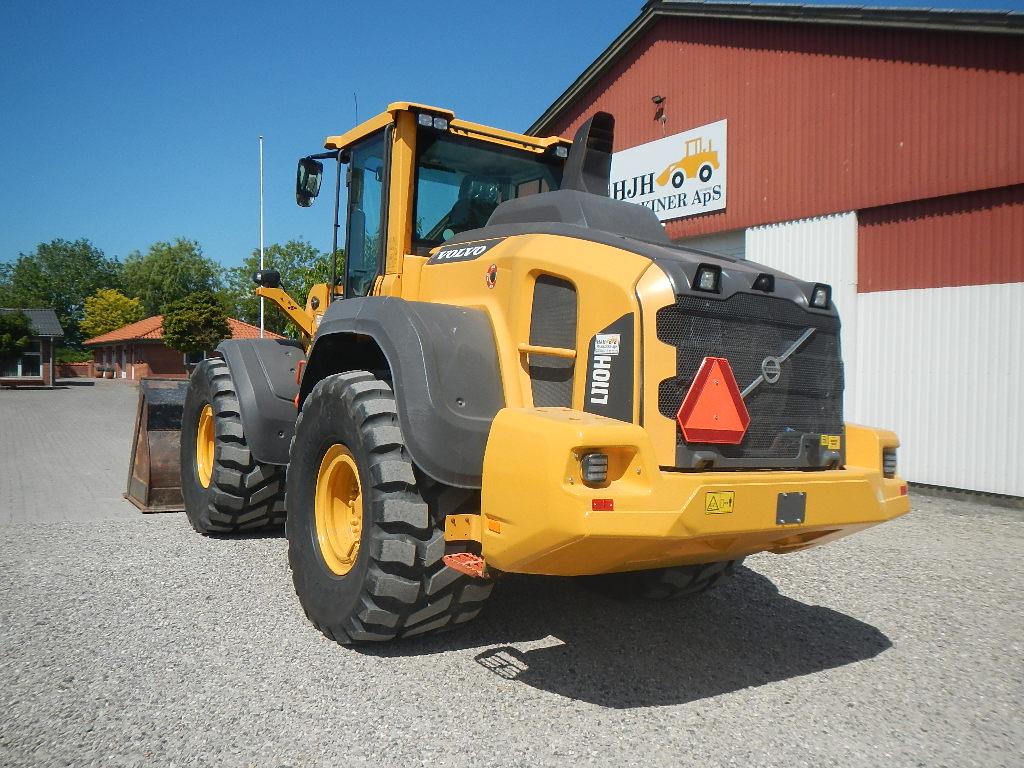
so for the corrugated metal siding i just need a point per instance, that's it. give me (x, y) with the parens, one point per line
(823, 250)
(943, 367)
(824, 119)
(968, 239)
(732, 244)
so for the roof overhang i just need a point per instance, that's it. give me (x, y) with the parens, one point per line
(987, 22)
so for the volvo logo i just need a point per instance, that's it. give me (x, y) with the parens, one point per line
(771, 369)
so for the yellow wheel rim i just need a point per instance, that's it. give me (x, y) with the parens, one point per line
(338, 507)
(204, 446)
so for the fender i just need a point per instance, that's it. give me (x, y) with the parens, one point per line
(263, 372)
(444, 369)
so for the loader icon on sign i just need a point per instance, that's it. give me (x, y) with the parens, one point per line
(699, 161)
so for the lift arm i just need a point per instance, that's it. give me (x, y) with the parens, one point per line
(295, 313)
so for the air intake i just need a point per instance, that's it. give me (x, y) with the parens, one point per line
(552, 324)
(589, 165)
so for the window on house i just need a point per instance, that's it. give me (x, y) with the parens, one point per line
(28, 365)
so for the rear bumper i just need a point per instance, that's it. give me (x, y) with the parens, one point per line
(539, 517)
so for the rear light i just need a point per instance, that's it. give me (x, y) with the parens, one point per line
(594, 468)
(603, 505)
(708, 278)
(889, 462)
(821, 296)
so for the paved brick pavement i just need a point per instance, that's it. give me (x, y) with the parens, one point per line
(64, 452)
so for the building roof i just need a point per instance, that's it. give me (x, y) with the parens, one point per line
(941, 19)
(44, 321)
(152, 329)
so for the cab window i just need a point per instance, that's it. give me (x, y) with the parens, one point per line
(365, 240)
(460, 182)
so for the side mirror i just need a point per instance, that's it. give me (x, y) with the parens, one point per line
(307, 181)
(267, 278)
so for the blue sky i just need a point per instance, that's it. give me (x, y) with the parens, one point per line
(131, 122)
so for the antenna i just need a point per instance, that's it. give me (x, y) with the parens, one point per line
(355, 100)
(261, 229)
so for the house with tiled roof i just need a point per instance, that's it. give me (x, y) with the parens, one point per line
(137, 349)
(34, 367)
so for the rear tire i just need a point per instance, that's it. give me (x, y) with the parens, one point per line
(377, 574)
(664, 583)
(225, 489)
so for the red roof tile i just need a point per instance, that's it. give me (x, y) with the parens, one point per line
(152, 328)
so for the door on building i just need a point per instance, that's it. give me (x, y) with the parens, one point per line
(124, 362)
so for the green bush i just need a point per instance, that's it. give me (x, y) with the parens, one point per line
(72, 355)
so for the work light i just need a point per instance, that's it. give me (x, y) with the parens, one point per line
(561, 151)
(820, 296)
(707, 278)
(594, 467)
(765, 283)
(429, 121)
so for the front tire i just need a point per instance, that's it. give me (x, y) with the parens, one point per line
(665, 583)
(365, 529)
(225, 489)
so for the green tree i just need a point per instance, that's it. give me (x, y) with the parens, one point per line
(168, 272)
(59, 275)
(301, 266)
(15, 330)
(108, 309)
(195, 323)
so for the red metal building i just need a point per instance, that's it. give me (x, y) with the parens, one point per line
(881, 149)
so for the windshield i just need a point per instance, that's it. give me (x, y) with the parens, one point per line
(459, 183)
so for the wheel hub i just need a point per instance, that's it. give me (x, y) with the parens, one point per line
(205, 446)
(338, 508)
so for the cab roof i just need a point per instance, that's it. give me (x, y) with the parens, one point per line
(455, 125)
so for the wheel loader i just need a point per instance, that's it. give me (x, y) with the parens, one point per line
(514, 373)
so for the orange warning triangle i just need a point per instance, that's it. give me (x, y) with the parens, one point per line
(713, 410)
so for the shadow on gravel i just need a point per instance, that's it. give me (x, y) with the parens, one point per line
(624, 655)
(275, 532)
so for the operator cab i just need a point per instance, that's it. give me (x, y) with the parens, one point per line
(447, 176)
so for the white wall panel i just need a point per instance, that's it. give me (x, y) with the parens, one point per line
(731, 243)
(944, 369)
(821, 250)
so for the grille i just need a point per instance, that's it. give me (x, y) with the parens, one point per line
(745, 328)
(552, 324)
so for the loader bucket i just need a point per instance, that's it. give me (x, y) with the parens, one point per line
(154, 478)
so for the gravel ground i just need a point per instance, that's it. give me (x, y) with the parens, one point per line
(130, 640)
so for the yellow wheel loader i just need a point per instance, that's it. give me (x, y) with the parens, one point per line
(515, 373)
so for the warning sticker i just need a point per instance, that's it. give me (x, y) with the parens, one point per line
(606, 344)
(832, 442)
(719, 502)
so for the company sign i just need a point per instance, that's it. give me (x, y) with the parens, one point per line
(677, 176)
